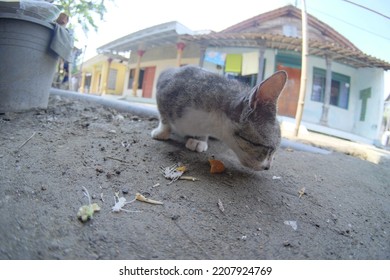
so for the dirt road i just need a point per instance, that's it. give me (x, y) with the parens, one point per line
(308, 206)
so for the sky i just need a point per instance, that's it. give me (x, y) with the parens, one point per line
(369, 31)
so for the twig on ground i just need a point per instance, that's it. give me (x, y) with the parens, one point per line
(142, 198)
(25, 142)
(188, 178)
(220, 206)
(117, 159)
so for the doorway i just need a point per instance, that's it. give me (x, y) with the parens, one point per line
(288, 100)
(147, 83)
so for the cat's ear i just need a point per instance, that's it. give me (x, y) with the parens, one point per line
(269, 90)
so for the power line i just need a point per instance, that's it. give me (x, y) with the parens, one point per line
(366, 8)
(358, 27)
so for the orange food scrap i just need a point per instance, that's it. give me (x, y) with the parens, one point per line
(217, 166)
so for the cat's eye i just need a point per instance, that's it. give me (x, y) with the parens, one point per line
(270, 149)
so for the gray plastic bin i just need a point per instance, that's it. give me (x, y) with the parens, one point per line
(27, 65)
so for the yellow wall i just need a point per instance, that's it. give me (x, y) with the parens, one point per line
(98, 68)
(120, 78)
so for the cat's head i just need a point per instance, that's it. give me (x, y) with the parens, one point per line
(257, 134)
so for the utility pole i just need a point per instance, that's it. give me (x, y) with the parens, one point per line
(302, 89)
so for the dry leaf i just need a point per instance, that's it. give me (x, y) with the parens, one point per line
(181, 169)
(301, 192)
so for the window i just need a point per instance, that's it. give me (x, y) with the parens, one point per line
(290, 30)
(339, 95)
(131, 78)
(112, 79)
(318, 90)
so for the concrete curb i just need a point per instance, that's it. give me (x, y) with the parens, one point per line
(122, 106)
(285, 143)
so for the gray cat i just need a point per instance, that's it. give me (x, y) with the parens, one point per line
(197, 103)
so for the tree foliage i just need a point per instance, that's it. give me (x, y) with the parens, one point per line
(83, 13)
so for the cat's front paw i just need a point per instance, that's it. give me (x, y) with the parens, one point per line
(196, 145)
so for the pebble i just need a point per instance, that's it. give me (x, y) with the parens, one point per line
(175, 217)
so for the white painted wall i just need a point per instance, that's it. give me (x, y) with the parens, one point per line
(348, 120)
(270, 65)
(366, 78)
(338, 118)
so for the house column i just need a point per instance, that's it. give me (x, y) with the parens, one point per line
(82, 83)
(106, 76)
(140, 53)
(328, 87)
(261, 65)
(180, 48)
(94, 81)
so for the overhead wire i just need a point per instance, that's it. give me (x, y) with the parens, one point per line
(366, 8)
(358, 27)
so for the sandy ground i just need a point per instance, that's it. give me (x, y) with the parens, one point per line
(308, 206)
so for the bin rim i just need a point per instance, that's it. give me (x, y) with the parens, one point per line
(26, 18)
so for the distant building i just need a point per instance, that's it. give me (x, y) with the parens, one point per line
(152, 50)
(345, 87)
(103, 75)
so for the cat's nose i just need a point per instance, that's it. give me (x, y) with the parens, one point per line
(266, 165)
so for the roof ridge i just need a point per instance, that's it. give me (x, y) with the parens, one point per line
(292, 10)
